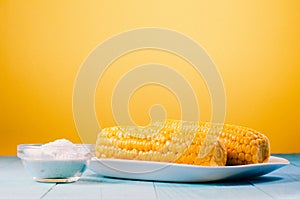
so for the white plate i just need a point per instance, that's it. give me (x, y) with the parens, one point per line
(159, 171)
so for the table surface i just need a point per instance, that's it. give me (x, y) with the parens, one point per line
(15, 182)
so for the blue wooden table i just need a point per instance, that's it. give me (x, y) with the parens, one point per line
(15, 182)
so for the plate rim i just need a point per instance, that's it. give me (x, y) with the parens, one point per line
(111, 168)
(280, 161)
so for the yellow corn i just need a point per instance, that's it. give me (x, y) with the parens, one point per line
(182, 142)
(244, 145)
(172, 141)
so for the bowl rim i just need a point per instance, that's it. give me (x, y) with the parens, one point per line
(22, 147)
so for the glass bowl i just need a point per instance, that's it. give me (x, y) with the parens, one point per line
(55, 164)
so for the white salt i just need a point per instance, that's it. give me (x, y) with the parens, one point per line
(59, 143)
(63, 149)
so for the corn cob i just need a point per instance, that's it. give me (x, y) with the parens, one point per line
(244, 145)
(173, 141)
(183, 142)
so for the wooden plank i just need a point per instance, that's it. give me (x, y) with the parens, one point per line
(210, 190)
(120, 188)
(75, 190)
(15, 182)
(87, 187)
(139, 190)
(282, 183)
(93, 186)
(293, 158)
(7, 160)
(288, 172)
(278, 187)
(282, 190)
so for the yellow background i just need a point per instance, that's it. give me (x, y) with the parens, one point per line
(255, 44)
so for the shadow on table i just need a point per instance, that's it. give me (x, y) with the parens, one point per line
(94, 178)
(258, 180)
(269, 179)
(90, 179)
